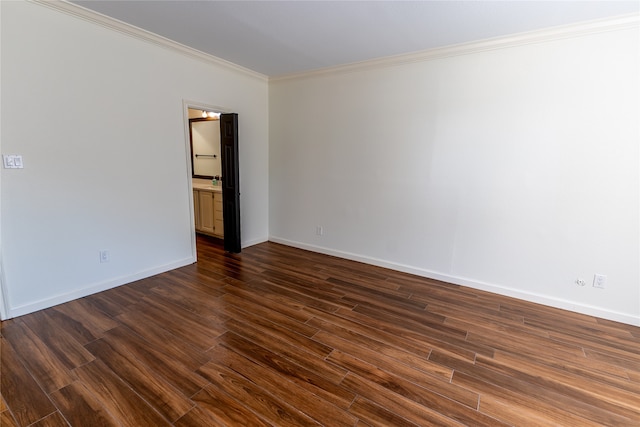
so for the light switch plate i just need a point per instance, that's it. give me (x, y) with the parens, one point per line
(12, 161)
(8, 161)
(17, 162)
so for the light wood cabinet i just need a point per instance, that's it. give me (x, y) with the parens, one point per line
(205, 199)
(196, 208)
(218, 221)
(208, 212)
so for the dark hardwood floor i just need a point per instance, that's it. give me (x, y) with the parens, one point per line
(284, 337)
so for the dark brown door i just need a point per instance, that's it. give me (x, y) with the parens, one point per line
(230, 181)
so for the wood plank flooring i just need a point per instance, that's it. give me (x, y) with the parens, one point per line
(278, 336)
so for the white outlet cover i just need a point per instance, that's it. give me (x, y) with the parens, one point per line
(599, 281)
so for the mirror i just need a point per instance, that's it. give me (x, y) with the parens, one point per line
(204, 134)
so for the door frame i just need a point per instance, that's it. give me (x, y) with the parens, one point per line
(4, 303)
(195, 105)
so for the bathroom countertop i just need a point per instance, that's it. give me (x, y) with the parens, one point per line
(208, 187)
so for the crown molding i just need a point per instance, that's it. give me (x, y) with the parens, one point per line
(584, 28)
(147, 36)
(502, 42)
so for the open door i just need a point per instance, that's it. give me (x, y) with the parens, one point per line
(230, 181)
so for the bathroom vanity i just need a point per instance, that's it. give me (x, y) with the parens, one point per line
(207, 200)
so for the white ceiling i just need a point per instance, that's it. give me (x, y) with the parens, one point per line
(285, 37)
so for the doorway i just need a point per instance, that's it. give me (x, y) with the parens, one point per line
(221, 179)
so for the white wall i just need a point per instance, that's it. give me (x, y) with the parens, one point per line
(106, 164)
(513, 170)
(3, 302)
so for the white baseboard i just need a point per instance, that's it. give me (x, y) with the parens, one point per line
(254, 242)
(95, 288)
(629, 319)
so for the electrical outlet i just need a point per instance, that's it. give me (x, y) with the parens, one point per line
(104, 256)
(319, 230)
(599, 281)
